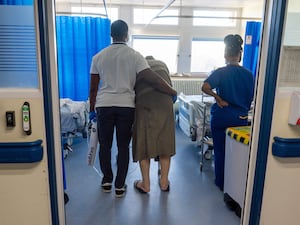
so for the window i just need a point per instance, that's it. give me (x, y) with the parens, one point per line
(111, 12)
(207, 55)
(162, 48)
(144, 16)
(214, 18)
(18, 48)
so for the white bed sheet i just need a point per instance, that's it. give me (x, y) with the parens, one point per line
(194, 114)
(72, 115)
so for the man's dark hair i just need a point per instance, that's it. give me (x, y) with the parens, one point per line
(233, 44)
(119, 29)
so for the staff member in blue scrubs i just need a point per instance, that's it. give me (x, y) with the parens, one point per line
(234, 89)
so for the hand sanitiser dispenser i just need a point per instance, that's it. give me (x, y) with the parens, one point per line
(26, 118)
(294, 116)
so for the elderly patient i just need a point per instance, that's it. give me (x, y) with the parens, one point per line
(154, 129)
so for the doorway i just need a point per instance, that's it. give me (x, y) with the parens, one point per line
(195, 167)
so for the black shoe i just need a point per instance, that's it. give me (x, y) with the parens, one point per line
(120, 192)
(238, 211)
(230, 203)
(106, 187)
(66, 198)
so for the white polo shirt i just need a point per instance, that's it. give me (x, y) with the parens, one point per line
(117, 66)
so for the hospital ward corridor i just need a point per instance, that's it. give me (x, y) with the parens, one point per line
(193, 197)
(234, 69)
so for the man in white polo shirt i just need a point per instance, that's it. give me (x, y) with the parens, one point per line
(118, 66)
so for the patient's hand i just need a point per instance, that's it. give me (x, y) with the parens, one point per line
(222, 103)
(174, 98)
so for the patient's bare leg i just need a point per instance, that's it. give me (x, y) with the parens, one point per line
(145, 167)
(165, 162)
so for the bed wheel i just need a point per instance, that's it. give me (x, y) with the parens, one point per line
(66, 152)
(84, 134)
(208, 154)
(193, 133)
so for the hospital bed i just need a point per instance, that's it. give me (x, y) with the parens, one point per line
(73, 122)
(194, 121)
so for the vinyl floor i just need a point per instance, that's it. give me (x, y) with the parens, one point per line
(193, 198)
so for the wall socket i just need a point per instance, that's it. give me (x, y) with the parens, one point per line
(10, 119)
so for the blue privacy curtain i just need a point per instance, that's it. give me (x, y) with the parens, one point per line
(78, 39)
(251, 46)
(16, 2)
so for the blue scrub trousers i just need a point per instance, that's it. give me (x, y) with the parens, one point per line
(221, 119)
(109, 118)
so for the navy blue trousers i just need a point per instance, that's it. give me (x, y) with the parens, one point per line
(221, 119)
(109, 119)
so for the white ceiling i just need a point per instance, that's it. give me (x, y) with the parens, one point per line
(193, 3)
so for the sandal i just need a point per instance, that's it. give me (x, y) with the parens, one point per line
(139, 189)
(165, 189)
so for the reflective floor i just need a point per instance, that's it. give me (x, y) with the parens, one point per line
(193, 198)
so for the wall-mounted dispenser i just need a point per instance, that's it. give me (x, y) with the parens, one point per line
(26, 118)
(294, 116)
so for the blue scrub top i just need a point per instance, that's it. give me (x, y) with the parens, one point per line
(234, 84)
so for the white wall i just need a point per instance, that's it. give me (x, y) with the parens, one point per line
(256, 10)
(282, 183)
(292, 33)
(294, 6)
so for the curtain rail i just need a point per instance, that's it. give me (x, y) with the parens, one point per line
(81, 13)
(211, 17)
(163, 9)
